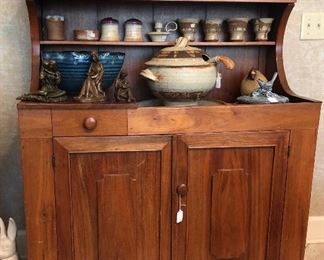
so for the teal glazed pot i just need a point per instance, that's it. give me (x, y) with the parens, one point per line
(74, 66)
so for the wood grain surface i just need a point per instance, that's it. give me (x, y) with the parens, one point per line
(39, 196)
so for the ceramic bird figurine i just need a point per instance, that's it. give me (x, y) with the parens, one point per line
(250, 82)
(8, 240)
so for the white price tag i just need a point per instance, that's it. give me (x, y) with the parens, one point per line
(179, 216)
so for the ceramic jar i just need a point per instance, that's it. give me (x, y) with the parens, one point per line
(182, 74)
(188, 27)
(262, 27)
(109, 30)
(133, 30)
(212, 29)
(55, 27)
(237, 28)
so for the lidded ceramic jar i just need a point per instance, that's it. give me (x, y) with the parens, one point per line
(109, 30)
(182, 74)
(55, 27)
(133, 30)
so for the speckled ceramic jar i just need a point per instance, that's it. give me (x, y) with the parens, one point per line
(212, 29)
(237, 28)
(188, 27)
(133, 30)
(262, 27)
(109, 30)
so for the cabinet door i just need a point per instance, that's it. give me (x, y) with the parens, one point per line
(235, 192)
(113, 198)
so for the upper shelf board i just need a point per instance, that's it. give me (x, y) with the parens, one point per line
(121, 43)
(216, 1)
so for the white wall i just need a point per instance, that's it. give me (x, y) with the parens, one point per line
(304, 65)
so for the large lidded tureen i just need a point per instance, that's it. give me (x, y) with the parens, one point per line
(181, 75)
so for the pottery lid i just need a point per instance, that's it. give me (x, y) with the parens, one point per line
(109, 20)
(179, 55)
(133, 21)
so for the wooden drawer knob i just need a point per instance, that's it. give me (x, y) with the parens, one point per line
(90, 123)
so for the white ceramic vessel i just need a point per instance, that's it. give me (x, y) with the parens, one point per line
(182, 75)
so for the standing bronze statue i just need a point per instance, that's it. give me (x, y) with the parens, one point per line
(91, 90)
(50, 79)
(123, 92)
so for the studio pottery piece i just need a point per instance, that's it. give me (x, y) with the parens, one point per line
(237, 28)
(50, 79)
(188, 27)
(133, 30)
(181, 75)
(55, 27)
(109, 30)
(86, 35)
(91, 90)
(212, 29)
(264, 94)
(250, 82)
(161, 36)
(262, 27)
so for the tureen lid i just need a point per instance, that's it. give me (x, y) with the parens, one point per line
(179, 55)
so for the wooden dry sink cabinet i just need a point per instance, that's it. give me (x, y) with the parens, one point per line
(110, 190)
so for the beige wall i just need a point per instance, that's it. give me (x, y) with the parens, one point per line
(14, 79)
(303, 63)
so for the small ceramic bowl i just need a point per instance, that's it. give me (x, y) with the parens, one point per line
(158, 36)
(86, 35)
(74, 67)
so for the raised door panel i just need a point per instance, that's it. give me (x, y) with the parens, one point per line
(114, 198)
(234, 205)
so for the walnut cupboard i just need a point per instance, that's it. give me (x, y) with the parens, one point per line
(111, 189)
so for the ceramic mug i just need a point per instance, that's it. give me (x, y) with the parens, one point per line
(188, 27)
(262, 27)
(212, 29)
(237, 28)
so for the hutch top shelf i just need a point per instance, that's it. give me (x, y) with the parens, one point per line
(266, 56)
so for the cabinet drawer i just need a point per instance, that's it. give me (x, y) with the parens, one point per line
(89, 122)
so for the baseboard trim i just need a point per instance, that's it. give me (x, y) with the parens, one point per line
(315, 230)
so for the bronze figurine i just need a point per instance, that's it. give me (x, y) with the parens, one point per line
(91, 90)
(50, 79)
(123, 92)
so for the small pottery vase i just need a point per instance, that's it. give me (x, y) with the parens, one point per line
(188, 27)
(109, 30)
(55, 27)
(237, 28)
(212, 28)
(133, 30)
(262, 27)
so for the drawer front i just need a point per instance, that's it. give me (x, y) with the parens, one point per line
(89, 122)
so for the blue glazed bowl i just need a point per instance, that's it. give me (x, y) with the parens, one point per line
(74, 66)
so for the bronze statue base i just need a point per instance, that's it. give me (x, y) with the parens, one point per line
(90, 99)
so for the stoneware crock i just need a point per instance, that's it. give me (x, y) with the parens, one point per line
(181, 75)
